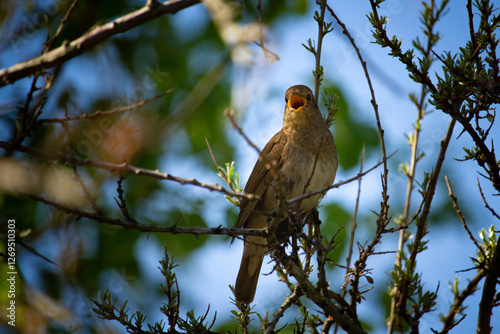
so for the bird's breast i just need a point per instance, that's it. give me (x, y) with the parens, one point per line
(308, 170)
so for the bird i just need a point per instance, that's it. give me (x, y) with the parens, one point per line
(305, 159)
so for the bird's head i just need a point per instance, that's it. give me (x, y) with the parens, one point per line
(300, 108)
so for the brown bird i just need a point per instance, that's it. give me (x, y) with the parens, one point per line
(306, 159)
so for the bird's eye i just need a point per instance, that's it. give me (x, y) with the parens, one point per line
(286, 99)
(309, 97)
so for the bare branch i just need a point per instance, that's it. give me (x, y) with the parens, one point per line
(461, 216)
(219, 168)
(493, 212)
(372, 92)
(230, 114)
(353, 226)
(431, 189)
(132, 225)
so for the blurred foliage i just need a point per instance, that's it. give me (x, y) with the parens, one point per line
(336, 223)
(163, 54)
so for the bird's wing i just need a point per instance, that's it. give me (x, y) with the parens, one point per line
(261, 177)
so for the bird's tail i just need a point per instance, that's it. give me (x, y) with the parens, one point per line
(248, 276)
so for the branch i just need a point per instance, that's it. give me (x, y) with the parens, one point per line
(353, 229)
(230, 114)
(121, 168)
(456, 307)
(489, 291)
(381, 33)
(385, 197)
(433, 181)
(91, 39)
(122, 204)
(472, 33)
(132, 225)
(487, 155)
(347, 323)
(323, 29)
(493, 212)
(382, 219)
(289, 301)
(404, 284)
(271, 56)
(461, 217)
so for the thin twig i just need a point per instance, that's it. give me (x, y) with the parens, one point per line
(383, 219)
(230, 114)
(353, 226)
(461, 216)
(327, 324)
(493, 212)
(271, 56)
(355, 215)
(414, 158)
(106, 112)
(431, 189)
(472, 33)
(122, 204)
(404, 285)
(77, 177)
(335, 185)
(373, 100)
(34, 251)
(61, 26)
(318, 72)
(289, 301)
(24, 112)
(219, 168)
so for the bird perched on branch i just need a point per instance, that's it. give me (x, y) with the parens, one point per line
(301, 157)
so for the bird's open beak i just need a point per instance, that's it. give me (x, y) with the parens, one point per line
(296, 102)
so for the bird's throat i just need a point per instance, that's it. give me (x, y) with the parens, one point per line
(296, 102)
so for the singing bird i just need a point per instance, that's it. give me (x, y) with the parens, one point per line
(305, 159)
